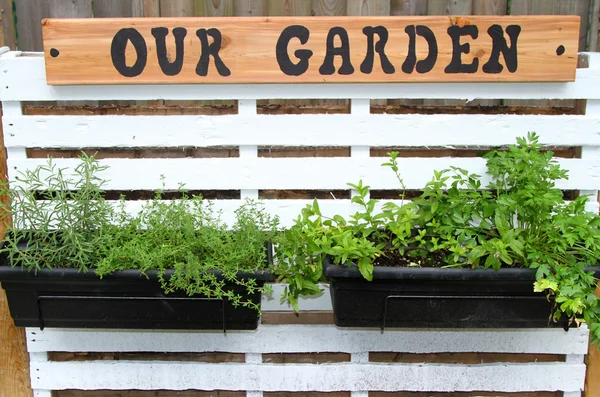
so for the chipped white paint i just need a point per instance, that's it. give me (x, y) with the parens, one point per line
(153, 375)
(293, 173)
(313, 338)
(409, 130)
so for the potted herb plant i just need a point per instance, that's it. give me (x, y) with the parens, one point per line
(510, 254)
(73, 259)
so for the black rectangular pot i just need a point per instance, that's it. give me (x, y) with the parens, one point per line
(438, 298)
(67, 298)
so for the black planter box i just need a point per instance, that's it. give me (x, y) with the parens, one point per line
(438, 298)
(67, 298)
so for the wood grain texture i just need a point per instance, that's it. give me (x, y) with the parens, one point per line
(299, 8)
(408, 7)
(214, 8)
(178, 8)
(250, 8)
(147, 393)
(151, 8)
(84, 48)
(117, 8)
(7, 30)
(29, 27)
(463, 394)
(139, 356)
(449, 7)
(594, 43)
(369, 7)
(70, 9)
(463, 358)
(14, 361)
(331, 7)
(305, 358)
(592, 378)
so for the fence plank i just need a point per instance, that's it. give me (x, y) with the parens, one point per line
(296, 8)
(369, 7)
(8, 24)
(117, 8)
(408, 7)
(594, 44)
(29, 27)
(250, 8)
(214, 8)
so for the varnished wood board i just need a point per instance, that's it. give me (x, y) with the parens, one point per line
(310, 50)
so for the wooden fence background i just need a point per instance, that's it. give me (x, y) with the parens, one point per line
(21, 29)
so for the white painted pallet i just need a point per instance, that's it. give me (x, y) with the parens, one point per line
(22, 78)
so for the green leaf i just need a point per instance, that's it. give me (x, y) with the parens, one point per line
(366, 268)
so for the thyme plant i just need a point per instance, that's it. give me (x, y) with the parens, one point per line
(61, 219)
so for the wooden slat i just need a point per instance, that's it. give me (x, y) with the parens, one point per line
(303, 377)
(465, 394)
(313, 338)
(146, 393)
(305, 358)
(297, 318)
(217, 110)
(453, 132)
(463, 358)
(291, 173)
(143, 356)
(82, 50)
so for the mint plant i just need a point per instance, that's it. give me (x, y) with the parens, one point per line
(519, 219)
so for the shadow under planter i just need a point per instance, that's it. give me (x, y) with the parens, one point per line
(67, 298)
(438, 298)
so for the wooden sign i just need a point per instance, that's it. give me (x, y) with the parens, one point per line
(310, 49)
